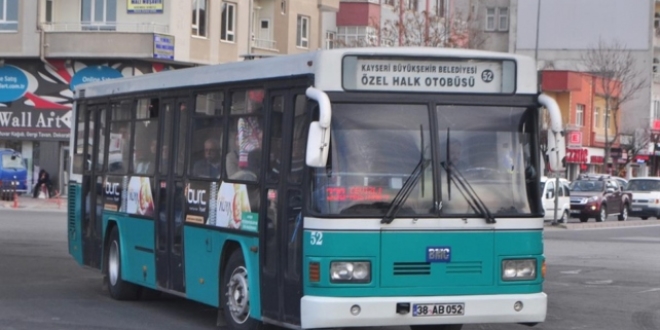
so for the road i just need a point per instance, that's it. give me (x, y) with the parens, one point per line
(605, 279)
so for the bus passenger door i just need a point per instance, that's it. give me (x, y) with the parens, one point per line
(169, 224)
(92, 194)
(280, 246)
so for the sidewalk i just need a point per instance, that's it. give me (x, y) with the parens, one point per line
(26, 202)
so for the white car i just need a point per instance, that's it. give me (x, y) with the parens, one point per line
(645, 197)
(548, 192)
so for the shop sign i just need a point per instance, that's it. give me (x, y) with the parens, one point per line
(144, 6)
(574, 139)
(597, 159)
(576, 155)
(616, 152)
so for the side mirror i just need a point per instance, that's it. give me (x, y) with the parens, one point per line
(318, 144)
(556, 151)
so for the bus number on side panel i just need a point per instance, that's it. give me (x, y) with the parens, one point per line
(316, 238)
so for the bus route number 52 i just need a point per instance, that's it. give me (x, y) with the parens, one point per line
(316, 238)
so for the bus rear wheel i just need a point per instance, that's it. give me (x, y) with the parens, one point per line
(118, 288)
(235, 295)
(437, 327)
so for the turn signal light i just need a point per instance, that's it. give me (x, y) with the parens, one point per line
(543, 269)
(314, 272)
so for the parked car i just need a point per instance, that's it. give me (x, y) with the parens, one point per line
(548, 191)
(598, 196)
(13, 173)
(645, 197)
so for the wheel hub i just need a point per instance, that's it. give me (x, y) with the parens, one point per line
(238, 295)
(113, 263)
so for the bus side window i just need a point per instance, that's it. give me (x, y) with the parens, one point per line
(249, 133)
(206, 142)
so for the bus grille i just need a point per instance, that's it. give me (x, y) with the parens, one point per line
(412, 268)
(71, 202)
(467, 267)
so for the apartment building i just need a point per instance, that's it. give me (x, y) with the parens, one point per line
(50, 46)
(475, 24)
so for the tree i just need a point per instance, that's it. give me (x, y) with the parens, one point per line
(635, 141)
(421, 28)
(618, 81)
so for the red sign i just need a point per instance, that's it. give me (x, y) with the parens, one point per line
(574, 139)
(356, 193)
(576, 155)
(597, 159)
(656, 125)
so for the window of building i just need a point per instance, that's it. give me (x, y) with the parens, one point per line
(49, 11)
(8, 15)
(330, 37)
(607, 119)
(503, 18)
(357, 36)
(497, 19)
(302, 34)
(283, 7)
(597, 117)
(412, 4)
(579, 115)
(99, 14)
(388, 2)
(440, 8)
(656, 109)
(228, 29)
(655, 65)
(199, 15)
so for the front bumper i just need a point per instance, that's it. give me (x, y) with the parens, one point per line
(584, 210)
(333, 312)
(643, 211)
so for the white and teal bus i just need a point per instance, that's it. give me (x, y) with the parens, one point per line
(338, 188)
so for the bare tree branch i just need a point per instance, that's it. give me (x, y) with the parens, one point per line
(618, 81)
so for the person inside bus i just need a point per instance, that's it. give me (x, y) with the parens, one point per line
(146, 165)
(456, 157)
(209, 167)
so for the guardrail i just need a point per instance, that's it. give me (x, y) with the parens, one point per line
(143, 27)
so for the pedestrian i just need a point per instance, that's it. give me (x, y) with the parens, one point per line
(43, 183)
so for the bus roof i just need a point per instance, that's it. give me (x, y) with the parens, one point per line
(326, 65)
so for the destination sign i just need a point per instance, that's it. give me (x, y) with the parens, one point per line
(428, 75)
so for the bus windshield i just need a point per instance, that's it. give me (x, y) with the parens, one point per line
(375, 148)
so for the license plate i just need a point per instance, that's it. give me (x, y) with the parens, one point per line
(636, 209)
(438, 309)
(575, 211)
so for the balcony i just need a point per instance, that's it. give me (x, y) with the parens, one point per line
(110, 39)
(264, 44)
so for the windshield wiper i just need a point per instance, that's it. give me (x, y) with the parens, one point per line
(466, 190)
(405, 191)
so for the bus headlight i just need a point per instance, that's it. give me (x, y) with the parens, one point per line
(350, 271)
(518, 269)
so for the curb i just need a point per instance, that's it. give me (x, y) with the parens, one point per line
(605, 224)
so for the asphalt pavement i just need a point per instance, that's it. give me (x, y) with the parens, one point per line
(25, 202)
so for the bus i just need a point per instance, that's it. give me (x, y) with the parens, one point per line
(337, 188)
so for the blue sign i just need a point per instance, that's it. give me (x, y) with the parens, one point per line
(13, 83)
(163, 47)
(93, 74)
(438, 254)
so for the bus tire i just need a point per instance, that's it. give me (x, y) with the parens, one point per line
(437, 327)
(118, 288)
(235, 295)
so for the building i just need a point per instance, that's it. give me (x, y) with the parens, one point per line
(581, 99)
(475, 24)
(560, 32)
(49, 46)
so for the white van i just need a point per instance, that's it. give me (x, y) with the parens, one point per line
(548, 192)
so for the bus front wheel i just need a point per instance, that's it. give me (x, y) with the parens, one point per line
(437, 327)
(118, 288)
(235, 295)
